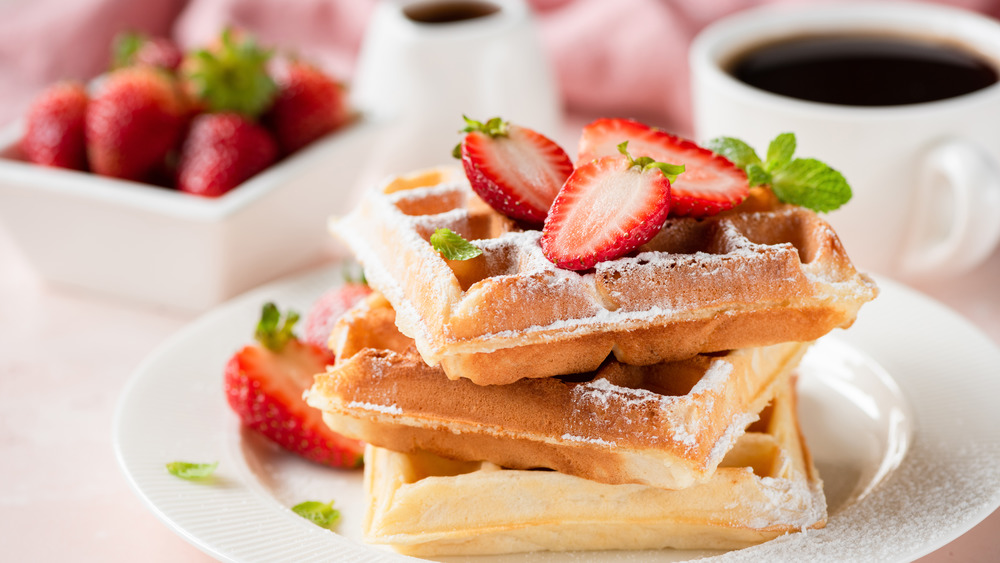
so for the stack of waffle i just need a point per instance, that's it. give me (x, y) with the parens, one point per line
(510, 405)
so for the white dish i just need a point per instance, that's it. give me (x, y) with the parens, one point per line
(910, 384)
(163, 247)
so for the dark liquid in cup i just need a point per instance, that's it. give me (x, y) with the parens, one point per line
(863, 70)
(448, 12)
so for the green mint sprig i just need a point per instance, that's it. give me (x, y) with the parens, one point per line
(452, 246)
(191, 471)
(806, 182)
(322, 514)
(671, 171)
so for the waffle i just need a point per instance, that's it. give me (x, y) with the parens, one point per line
(762, 274)
(421, 504)
(665, 425)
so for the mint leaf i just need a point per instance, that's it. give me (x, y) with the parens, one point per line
(323, 515)
(811, 183)
(779, 152)
(452, 246)
(273, 332)
(738, 152)
(806, 182)
(191, 471)
(757, 176)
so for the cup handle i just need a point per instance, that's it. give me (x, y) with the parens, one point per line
(955, 223)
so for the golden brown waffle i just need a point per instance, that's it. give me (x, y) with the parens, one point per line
(666, 425)
(421, 504)
(762, 274)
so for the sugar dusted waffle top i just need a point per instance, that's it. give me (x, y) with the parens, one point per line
(760, 274)
(425, 505)
(666, 425)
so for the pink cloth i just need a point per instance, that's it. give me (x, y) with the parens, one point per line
(627, 57)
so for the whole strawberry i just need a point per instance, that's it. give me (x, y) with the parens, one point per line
(131, 49)
(329, 307)
(309, 105)
(264, 383)
(134, 120)
(221, 151)
(54, 127)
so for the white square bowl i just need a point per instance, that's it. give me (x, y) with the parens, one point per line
(168, 248)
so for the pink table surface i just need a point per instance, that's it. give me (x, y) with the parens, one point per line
(64, 359)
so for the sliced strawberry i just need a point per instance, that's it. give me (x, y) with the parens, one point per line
(264, 384)
(710, 183)
(515, 170)
(607, 208)
(329, 307)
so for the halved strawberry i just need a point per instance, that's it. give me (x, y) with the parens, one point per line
(607, 208)
(264, 384)
(515, 170)
(710, 184)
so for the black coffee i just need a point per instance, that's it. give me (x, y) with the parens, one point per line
(448, 12)
(863, 70)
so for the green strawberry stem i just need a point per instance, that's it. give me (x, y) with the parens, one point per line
(233, 76)
(273, 332)
(124, 48)
(494, 127)
(671, 171)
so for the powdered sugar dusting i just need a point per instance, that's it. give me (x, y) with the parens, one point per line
(610, 307)
(598, 441)
(736, 428)
(385, 409)
(718, 372)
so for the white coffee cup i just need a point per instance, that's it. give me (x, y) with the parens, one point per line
(925, 177)
(417, 79)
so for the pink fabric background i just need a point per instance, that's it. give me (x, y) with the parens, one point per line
(627, 57)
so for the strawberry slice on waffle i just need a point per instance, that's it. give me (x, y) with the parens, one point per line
(607, 208)
(710, 183)
(515, 170)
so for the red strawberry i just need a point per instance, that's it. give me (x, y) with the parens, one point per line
(133, 121)
(710, 183)
(309, 105)
(139, 49)
(53, 127)
(515, 170)
(607, 208)
(329, 307)
(221, 151)
(264, 383)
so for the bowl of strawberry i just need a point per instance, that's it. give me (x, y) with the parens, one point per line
(181, 179)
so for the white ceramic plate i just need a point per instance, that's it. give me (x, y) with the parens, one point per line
(900, 412)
